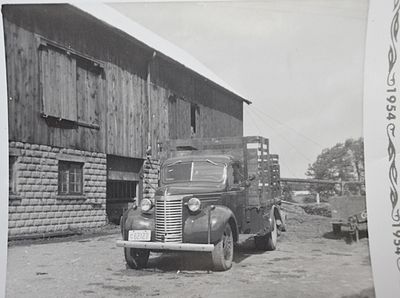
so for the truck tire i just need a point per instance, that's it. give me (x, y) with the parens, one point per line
(269, 241)
(336, 228)
(222, 255)
(136, 258)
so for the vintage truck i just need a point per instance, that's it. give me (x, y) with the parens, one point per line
(210, 191)
(349, 211)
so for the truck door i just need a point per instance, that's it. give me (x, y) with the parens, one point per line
(234, 198)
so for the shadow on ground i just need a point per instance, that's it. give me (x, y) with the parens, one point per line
(345, 236)
(197, 261)
(366, 293)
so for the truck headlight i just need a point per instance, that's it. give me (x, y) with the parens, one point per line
(194, 204)
(146, 205)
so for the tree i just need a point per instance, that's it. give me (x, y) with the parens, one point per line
(287, 192)
(342, 162)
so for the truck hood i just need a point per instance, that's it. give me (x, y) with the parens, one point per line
(189, 188)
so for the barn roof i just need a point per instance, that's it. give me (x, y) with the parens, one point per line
(112, 17)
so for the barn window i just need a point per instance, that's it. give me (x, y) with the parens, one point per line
(12, 181)
(193, 115)
(70, 178)
(70, 87)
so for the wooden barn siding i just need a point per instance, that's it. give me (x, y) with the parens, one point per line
(70, 26)
(123, 90)
(122, 100)
(178, 118)
(195, 89)
(127, 123)
(67, 25)
(219, 114)
(25, 105)
(159, 115)
(214, 123)
(22, 83)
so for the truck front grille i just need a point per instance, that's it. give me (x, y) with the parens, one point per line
(168, 219)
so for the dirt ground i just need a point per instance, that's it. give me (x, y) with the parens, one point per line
(309, 262)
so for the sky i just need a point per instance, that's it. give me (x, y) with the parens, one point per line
(300, 62)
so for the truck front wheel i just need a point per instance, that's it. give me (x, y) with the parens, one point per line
(222, 255)
(136, 258)
(269, 241)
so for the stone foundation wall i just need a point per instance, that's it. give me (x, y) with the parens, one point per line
(151, 173)
(36, 206)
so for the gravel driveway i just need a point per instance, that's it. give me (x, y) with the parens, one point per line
(309, 262)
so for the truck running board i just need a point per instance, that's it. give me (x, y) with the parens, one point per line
(166, 246)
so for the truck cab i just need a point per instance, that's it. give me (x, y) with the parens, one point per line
(202, 204)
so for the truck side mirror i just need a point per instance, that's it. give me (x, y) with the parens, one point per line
(247, 182)
(252, 177)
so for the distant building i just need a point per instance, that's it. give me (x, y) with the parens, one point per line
(301, 192)
(86, 100)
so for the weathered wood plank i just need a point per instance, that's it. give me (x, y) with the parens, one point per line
(82, 101)
(131, 118)
(122, 112)
(210, 142)
(70, 86)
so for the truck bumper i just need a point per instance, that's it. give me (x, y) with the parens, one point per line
(166, 246)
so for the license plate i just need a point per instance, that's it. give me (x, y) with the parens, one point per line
(139, 235)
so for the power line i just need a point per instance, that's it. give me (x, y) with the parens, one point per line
(286, 140)
(291, 128)
(256, 126)
(280, 160)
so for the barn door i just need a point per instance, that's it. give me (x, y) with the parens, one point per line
(123, 184)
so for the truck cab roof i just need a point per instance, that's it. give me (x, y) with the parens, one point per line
(214, 158)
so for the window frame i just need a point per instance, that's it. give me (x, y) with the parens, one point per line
(235, 174)
(64, 170)
(164, 170)
(194, 115)
(12, 174)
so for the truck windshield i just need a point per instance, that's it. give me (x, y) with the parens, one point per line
(194, 171)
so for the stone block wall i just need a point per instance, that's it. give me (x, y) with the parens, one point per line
(36, 206)
(151, 173)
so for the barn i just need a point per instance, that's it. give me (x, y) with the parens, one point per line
(91, 101)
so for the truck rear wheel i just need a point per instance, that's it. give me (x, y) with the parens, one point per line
(269, 241)
(136, 258)
(222, 255)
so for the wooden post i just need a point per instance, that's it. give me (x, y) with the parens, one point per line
(357, 233)
(148, 94)
(341, 187)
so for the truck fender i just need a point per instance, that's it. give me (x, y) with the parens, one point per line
(230, 218)
(122, 221)
(196, 226)
(133, 219)
(275, 212)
